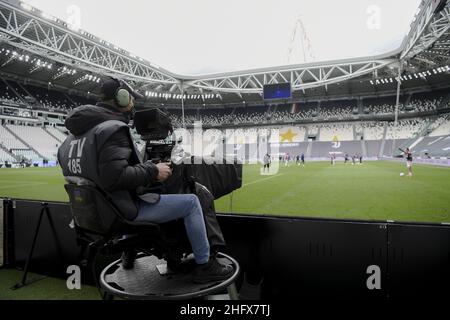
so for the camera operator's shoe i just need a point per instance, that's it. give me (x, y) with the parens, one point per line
(184, 266)
(128, 258)
(212, 271)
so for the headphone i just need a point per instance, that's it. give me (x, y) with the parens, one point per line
(122, 96)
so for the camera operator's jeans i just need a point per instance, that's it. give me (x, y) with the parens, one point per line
(176, 206)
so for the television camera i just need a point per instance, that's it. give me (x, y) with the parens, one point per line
(155, 128)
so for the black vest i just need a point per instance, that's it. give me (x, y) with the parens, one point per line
(78, 156)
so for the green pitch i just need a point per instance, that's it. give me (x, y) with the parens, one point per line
(372, 191)
(45, 289)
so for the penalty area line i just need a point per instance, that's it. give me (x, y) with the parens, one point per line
(19, 185)
(260, 180)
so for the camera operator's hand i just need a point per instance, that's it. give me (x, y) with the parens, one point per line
(164, 172)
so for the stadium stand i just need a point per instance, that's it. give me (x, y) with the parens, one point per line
(433, 147)
(37, 138)
(50, 100)
(441, 126)
(56, 133)
(18, 90)
(6, 157)
(336, 131)
(9, 141)
(406, 128)
(313, 130)
(335, 111)
(370, 130)
(328, 111)
(312, 125)
(248, 117)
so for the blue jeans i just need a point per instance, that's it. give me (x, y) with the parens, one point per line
(176, 206)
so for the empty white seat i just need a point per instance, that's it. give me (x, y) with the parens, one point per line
(38, 139)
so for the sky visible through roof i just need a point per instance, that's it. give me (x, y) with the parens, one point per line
(197, 37)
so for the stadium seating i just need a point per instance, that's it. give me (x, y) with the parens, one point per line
(441, 127)
(433, 146)
(335, 112)
(40, 140)
(313, 130)
(372, 130)
(17, 89)
(9, 141)
(288, 114)
(58, 134)
(336, 132)
(321, 123)
(7, 95)
(4, 156)
(28, 154)
(406, 128)
(17, 147)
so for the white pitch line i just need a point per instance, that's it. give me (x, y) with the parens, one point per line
(250, 183)
(27, 184)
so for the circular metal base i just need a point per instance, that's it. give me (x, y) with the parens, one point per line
(149, 280)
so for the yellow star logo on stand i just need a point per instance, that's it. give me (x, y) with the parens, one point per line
(288, 136)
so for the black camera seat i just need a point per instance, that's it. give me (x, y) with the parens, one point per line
(101, 228)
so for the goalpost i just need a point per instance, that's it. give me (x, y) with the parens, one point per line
(397, 104)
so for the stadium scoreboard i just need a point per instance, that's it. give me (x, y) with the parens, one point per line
(277, 91)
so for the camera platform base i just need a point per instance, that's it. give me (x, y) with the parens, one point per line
(151, 280)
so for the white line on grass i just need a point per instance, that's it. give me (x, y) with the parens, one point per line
(250, 183)
(28, 184)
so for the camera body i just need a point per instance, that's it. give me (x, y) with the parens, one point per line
(159, 150)
(155, 128)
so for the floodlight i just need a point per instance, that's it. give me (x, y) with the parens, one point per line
(26, 6)
(48, 16)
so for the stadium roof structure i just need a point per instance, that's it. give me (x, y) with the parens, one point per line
(42, 49)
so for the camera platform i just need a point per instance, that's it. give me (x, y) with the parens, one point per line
(151, 280)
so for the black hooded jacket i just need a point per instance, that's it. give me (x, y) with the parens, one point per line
(118, 166)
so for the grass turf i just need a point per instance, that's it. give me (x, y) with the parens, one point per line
(45, 289)
(372, 191)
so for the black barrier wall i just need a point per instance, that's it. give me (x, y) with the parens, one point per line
(2, 234)
(301, 257)
(289, 257)
(56, 246)
(419, 261)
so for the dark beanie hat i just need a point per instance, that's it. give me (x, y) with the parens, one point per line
(109, 89)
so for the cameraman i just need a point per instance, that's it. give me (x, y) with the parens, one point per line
(100, 148)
